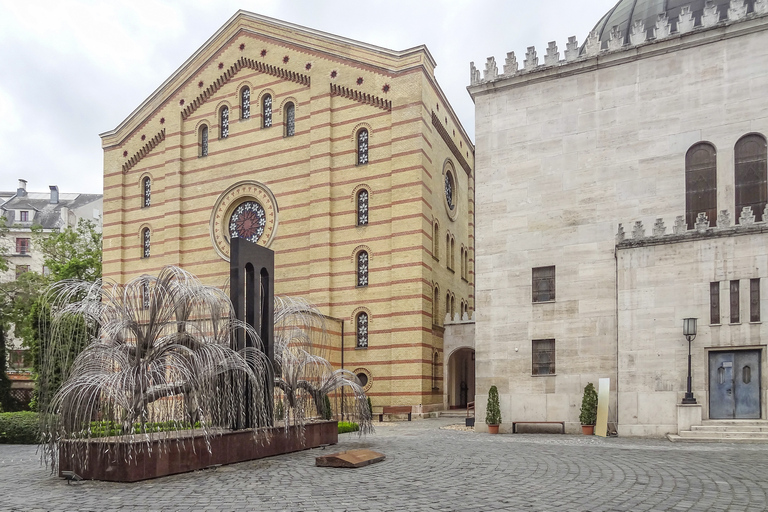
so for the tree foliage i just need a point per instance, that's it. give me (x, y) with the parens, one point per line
(493, 410)
(73, 253)
(588, 415)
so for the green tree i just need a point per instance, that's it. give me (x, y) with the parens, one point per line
(73, 253)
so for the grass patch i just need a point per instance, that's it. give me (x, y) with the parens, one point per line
(348, 426)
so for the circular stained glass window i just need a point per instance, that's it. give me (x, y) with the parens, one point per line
(449, 189)
(363, 378)
(247, 221)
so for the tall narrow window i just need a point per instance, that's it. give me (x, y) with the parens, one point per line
(754, 300)
(735, 302)
(448, 303)
(362, 147)
(24, 216)
(266, 111)
(362, 268)
(224, 123)
(362, 330)
(145, 237)
(436, 241)
(145, 294)
(543, 360)
(245, 103)
(461, 260)
(453, 306)
(448, 261)
(434, 372)
(147, 191)
(466, 264)
(701, 183)
(362, 208)
(714, 303)
(436, 306)
(453, 252)
(543, 284)
(290, 120)
(750, 179)
(203, 141)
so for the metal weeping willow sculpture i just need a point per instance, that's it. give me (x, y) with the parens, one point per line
(159, 361)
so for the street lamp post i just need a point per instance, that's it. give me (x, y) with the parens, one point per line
(689, 331)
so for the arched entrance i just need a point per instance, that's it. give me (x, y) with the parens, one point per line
(461, 378)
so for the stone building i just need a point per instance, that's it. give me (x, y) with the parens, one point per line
(623, 188)
(49, 212)
(344, 158)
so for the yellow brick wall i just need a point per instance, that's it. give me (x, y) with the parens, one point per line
(314, 178)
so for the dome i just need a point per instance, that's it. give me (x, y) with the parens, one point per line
(627, 12)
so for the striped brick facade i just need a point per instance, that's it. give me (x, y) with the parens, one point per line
(338, 87)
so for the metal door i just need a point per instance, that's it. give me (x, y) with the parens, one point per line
(734, 384)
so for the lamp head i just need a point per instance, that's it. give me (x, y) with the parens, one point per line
(689, 328)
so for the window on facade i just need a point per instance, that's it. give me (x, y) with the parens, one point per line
(362, 208)
(203, 141)
(290, 120)
(362, 330)
(434, 371)
(145, 240)
(461, 260)
(436, 306)
(266, 111)
(750, 178)
(466, 264)
(735, 302)
(362, 147)
(21, 269)
(23, 216)
(543, 357)
(543, 284)
(362, 268)
(448, 303)
(448, 250)
(754, 300)
(436, 241)
(450, 188)
(145, 294)
(714, 303)
(146, 186)
(22, 245)
(453, 306)
(224, 123)
(245, 103)
(363, 378)
(700, 183)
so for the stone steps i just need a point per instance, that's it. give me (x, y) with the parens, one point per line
(454, 413)
(725, 431)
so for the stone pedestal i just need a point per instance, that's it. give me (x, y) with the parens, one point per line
(688, 415)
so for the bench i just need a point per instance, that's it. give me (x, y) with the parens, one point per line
(395, 409)
(516, 423)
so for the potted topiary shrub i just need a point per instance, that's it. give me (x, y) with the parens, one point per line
(588, 416)
(493, 411)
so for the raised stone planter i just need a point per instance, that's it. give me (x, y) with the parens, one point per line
(154, 459)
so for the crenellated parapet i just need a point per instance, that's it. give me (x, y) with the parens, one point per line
(679, 231)
(638, 34)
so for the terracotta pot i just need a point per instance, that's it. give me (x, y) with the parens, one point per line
(493, 429)
(588, 430)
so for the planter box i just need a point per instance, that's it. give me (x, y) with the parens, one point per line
(186, 452)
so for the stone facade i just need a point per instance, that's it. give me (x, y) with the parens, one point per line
(304, 168)
(566, 151)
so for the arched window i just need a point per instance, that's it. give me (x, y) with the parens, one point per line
(203, 141)
(448, 262)
(266, 111)
(146, 187)
(245, 103)
(362, 330)
(290, 120)
(466, 263)
(436, 306)
(362, 268)
(461, 259)
(362, 147)
(362, 207)
(436, 241)
(434, 371)
(701, 183)
(453, 305)
(750, 179)
(453, 252)
(224, 122)
(447, 303)
(145, 237)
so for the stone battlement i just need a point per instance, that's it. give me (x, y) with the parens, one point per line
(680, 232)
(639, 34)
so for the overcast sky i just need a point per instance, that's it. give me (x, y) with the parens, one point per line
(71, 69)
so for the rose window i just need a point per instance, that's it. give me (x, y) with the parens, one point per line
(248, 221)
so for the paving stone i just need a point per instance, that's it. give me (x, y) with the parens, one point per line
(432, 469)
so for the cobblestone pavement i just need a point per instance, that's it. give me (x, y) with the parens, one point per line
(428, 468)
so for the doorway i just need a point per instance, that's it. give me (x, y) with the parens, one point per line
(461, 378)
(734, 385)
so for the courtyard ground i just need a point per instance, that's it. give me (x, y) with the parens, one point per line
(429, 468)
